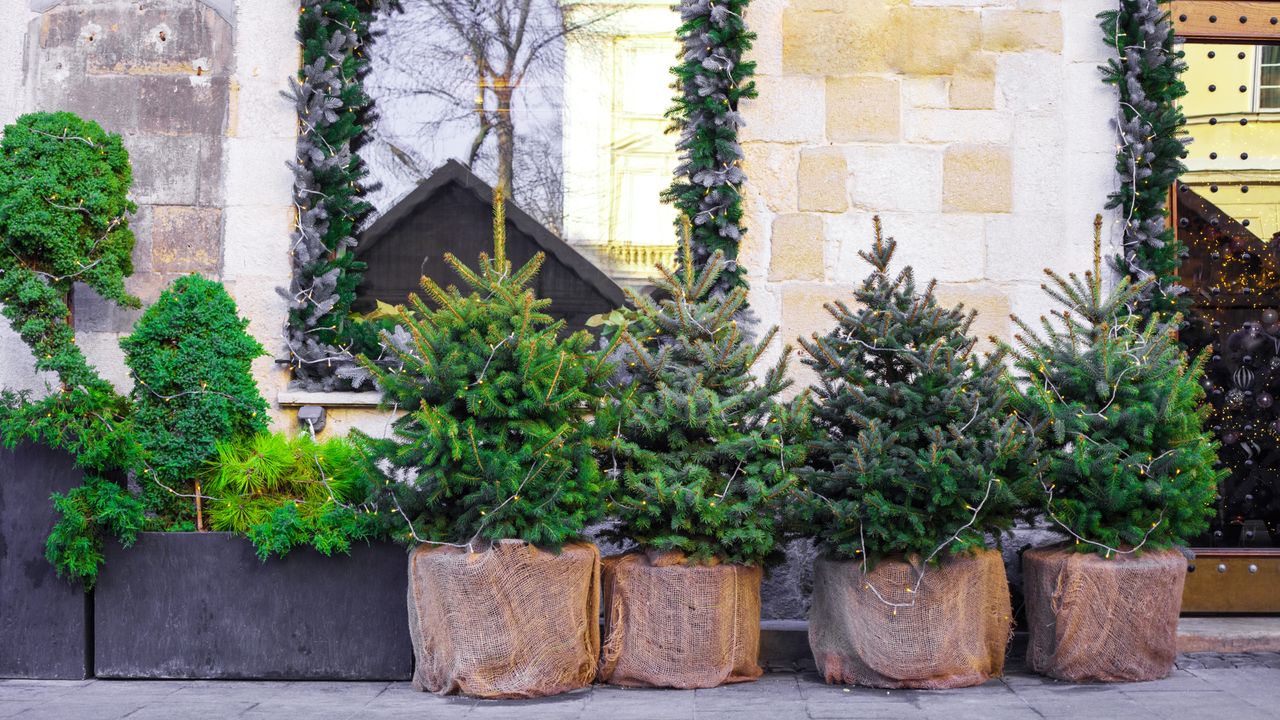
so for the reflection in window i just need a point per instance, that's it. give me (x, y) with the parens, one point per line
(563, 102)
(1269, 77)
(1227, 214)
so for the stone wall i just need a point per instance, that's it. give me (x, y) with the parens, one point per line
(159, 74)
(979, 130)
(194, 87)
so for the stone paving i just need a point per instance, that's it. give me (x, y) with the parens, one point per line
(1211, 686)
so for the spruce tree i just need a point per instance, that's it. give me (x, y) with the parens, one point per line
(497, 440)
(914, 448)
(1123, 459)
(706, 452)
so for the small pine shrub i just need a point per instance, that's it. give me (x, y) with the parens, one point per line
(283, 493)
(496, 441)
(914, 449)
(191, 363)
(1117, 410)
(707, 453)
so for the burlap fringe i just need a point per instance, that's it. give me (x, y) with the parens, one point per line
(1094, 619)
(954, 635)
(668, 624)
(512, 621)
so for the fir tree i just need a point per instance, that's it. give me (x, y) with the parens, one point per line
(1124, 460)
(497, 441)
(191, 362)
(706, 452)
(914, 446)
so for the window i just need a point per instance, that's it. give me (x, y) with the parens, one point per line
(1269, 77)
(563, 102)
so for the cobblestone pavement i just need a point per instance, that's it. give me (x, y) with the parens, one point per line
(1220, 687)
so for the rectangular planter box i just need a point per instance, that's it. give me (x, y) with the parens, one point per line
(44, 619)
(202, 605)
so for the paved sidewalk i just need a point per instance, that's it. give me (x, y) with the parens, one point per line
(1231, 687)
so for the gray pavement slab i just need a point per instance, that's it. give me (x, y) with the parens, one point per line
(1215, 687)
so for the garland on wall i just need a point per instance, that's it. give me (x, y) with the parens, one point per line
(711, 79)
(333, 110)
(1147, 71)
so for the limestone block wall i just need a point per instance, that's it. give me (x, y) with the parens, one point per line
(979, 130)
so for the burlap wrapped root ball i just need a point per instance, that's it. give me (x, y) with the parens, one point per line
(512, 621)
(950, 633)
(669, 624)
(1094, 619)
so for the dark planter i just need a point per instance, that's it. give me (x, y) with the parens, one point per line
(44, 619)
(202, 605)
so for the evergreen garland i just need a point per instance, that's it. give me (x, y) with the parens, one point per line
(707, 452)
(333, 109)
(711, 80)
(1147, 73)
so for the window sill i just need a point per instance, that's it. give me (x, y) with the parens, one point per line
(298, 398)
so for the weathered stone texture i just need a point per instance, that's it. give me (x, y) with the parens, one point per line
(797, 242)
(158, 73)
(822, 180)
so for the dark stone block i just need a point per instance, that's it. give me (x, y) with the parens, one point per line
(44, 619)
(201, 605)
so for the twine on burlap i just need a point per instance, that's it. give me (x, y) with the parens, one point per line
(1093, 619)
(948, 629)
(669, 624)
(511, 621)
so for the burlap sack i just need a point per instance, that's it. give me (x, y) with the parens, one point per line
(668, 624)
(1094, 619)
(954, 636)
(510, 622)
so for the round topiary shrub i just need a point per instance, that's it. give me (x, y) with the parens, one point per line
(191, 362)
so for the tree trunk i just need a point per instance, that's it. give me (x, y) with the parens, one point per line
(506, 136)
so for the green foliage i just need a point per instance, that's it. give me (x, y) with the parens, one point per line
(707, 452)
(64, 186)
(333, 110)
(712, 79)
(497, 440)
(190, 359)
(74, 545)
(1147, 74)
(283, 493)
(914, 446)
(1118, 414)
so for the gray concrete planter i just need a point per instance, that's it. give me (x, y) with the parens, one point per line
(201, 605)
(44, 620)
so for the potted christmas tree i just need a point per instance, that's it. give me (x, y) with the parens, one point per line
(491, 473)
(911, 468)
(1126, 471)
(706, 453)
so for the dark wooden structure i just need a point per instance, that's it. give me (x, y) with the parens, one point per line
(452, 212)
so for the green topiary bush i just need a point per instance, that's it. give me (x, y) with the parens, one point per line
(1123, 458)
(496, 441)
(707, 453)
(914, 449)
(191, 362)
(64, 209)
(284, 492)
